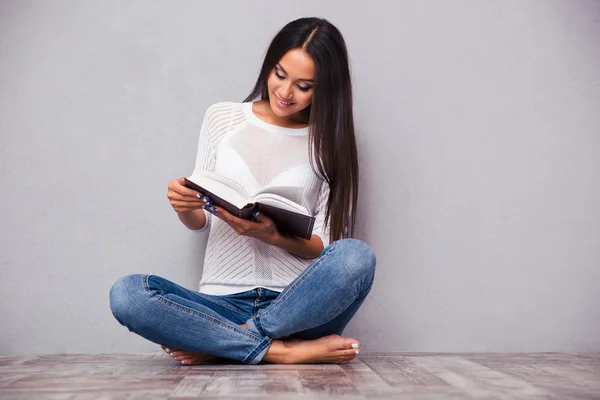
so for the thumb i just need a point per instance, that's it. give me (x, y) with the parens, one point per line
(260, 217)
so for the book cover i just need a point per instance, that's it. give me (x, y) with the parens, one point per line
(288, 223)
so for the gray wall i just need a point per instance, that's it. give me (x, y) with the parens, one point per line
(479, 131)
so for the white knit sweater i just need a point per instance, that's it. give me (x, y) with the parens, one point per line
(237, 144)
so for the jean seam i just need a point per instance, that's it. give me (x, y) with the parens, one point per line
(226, 306)
(260, 347)
(210, 318)
(367, 289)
(292, 288)
(258, 325)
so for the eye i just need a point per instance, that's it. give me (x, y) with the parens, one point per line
(302, 88)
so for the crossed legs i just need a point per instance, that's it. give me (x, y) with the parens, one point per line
(310, 314)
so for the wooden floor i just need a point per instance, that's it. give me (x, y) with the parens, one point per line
(371, 375)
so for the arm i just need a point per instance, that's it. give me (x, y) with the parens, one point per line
(320, 235)
(199, 219)
(297, 246)
(193, 219)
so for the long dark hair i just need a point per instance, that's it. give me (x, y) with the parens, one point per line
(331, 124)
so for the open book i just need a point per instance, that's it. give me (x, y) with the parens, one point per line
(290, 218)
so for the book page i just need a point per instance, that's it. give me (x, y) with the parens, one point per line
(223, 187)
(292, 193)
(280, 202)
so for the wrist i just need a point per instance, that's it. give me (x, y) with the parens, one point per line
(274, 239)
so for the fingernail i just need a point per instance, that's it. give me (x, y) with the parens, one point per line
(356, 352)
(206, 199)
(199, 195)
(167, 349)
(255, 213)
(215, 209)
(354, 346)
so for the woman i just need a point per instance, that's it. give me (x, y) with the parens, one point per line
(264, 296)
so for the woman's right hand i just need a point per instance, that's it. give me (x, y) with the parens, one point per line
(183, 198)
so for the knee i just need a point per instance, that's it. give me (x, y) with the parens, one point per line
(125, 295)
(359, 259)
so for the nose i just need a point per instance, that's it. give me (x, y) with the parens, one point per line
(286, 92)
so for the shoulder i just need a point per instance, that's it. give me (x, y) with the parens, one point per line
(224, 108)
(224, 116)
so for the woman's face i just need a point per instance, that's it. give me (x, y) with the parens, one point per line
(291, 81)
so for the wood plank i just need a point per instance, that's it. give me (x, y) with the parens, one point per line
(558, 373)
(191, 386)
(38, 383)
(366, 381)
(330, 382)
(477, 380)
(406, 377)
(383, 376)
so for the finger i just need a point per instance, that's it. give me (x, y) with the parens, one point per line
(233, 221)
(221, 213)
(179, 188)
(202, 200)
(260, 217)
(173, 195)
(188, 201)
(186, 205)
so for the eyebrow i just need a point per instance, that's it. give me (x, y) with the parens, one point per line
(308, 80)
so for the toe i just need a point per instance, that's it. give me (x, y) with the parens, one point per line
(345, 358)
(345, 353)
(351, 352)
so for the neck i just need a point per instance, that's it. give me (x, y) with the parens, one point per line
(294, 121)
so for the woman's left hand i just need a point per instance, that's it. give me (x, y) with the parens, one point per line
(263, 229)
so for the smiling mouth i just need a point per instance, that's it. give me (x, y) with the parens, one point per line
(285, 103)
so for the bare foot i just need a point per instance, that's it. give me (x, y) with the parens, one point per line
(192, 358)
(189, 357)
(328, 349)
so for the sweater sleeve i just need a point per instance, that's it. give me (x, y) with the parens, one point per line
(319, 228)
(206, 155)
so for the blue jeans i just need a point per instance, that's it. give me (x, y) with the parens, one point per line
(319, 302)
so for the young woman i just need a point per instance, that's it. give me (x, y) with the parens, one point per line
(264, 296)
